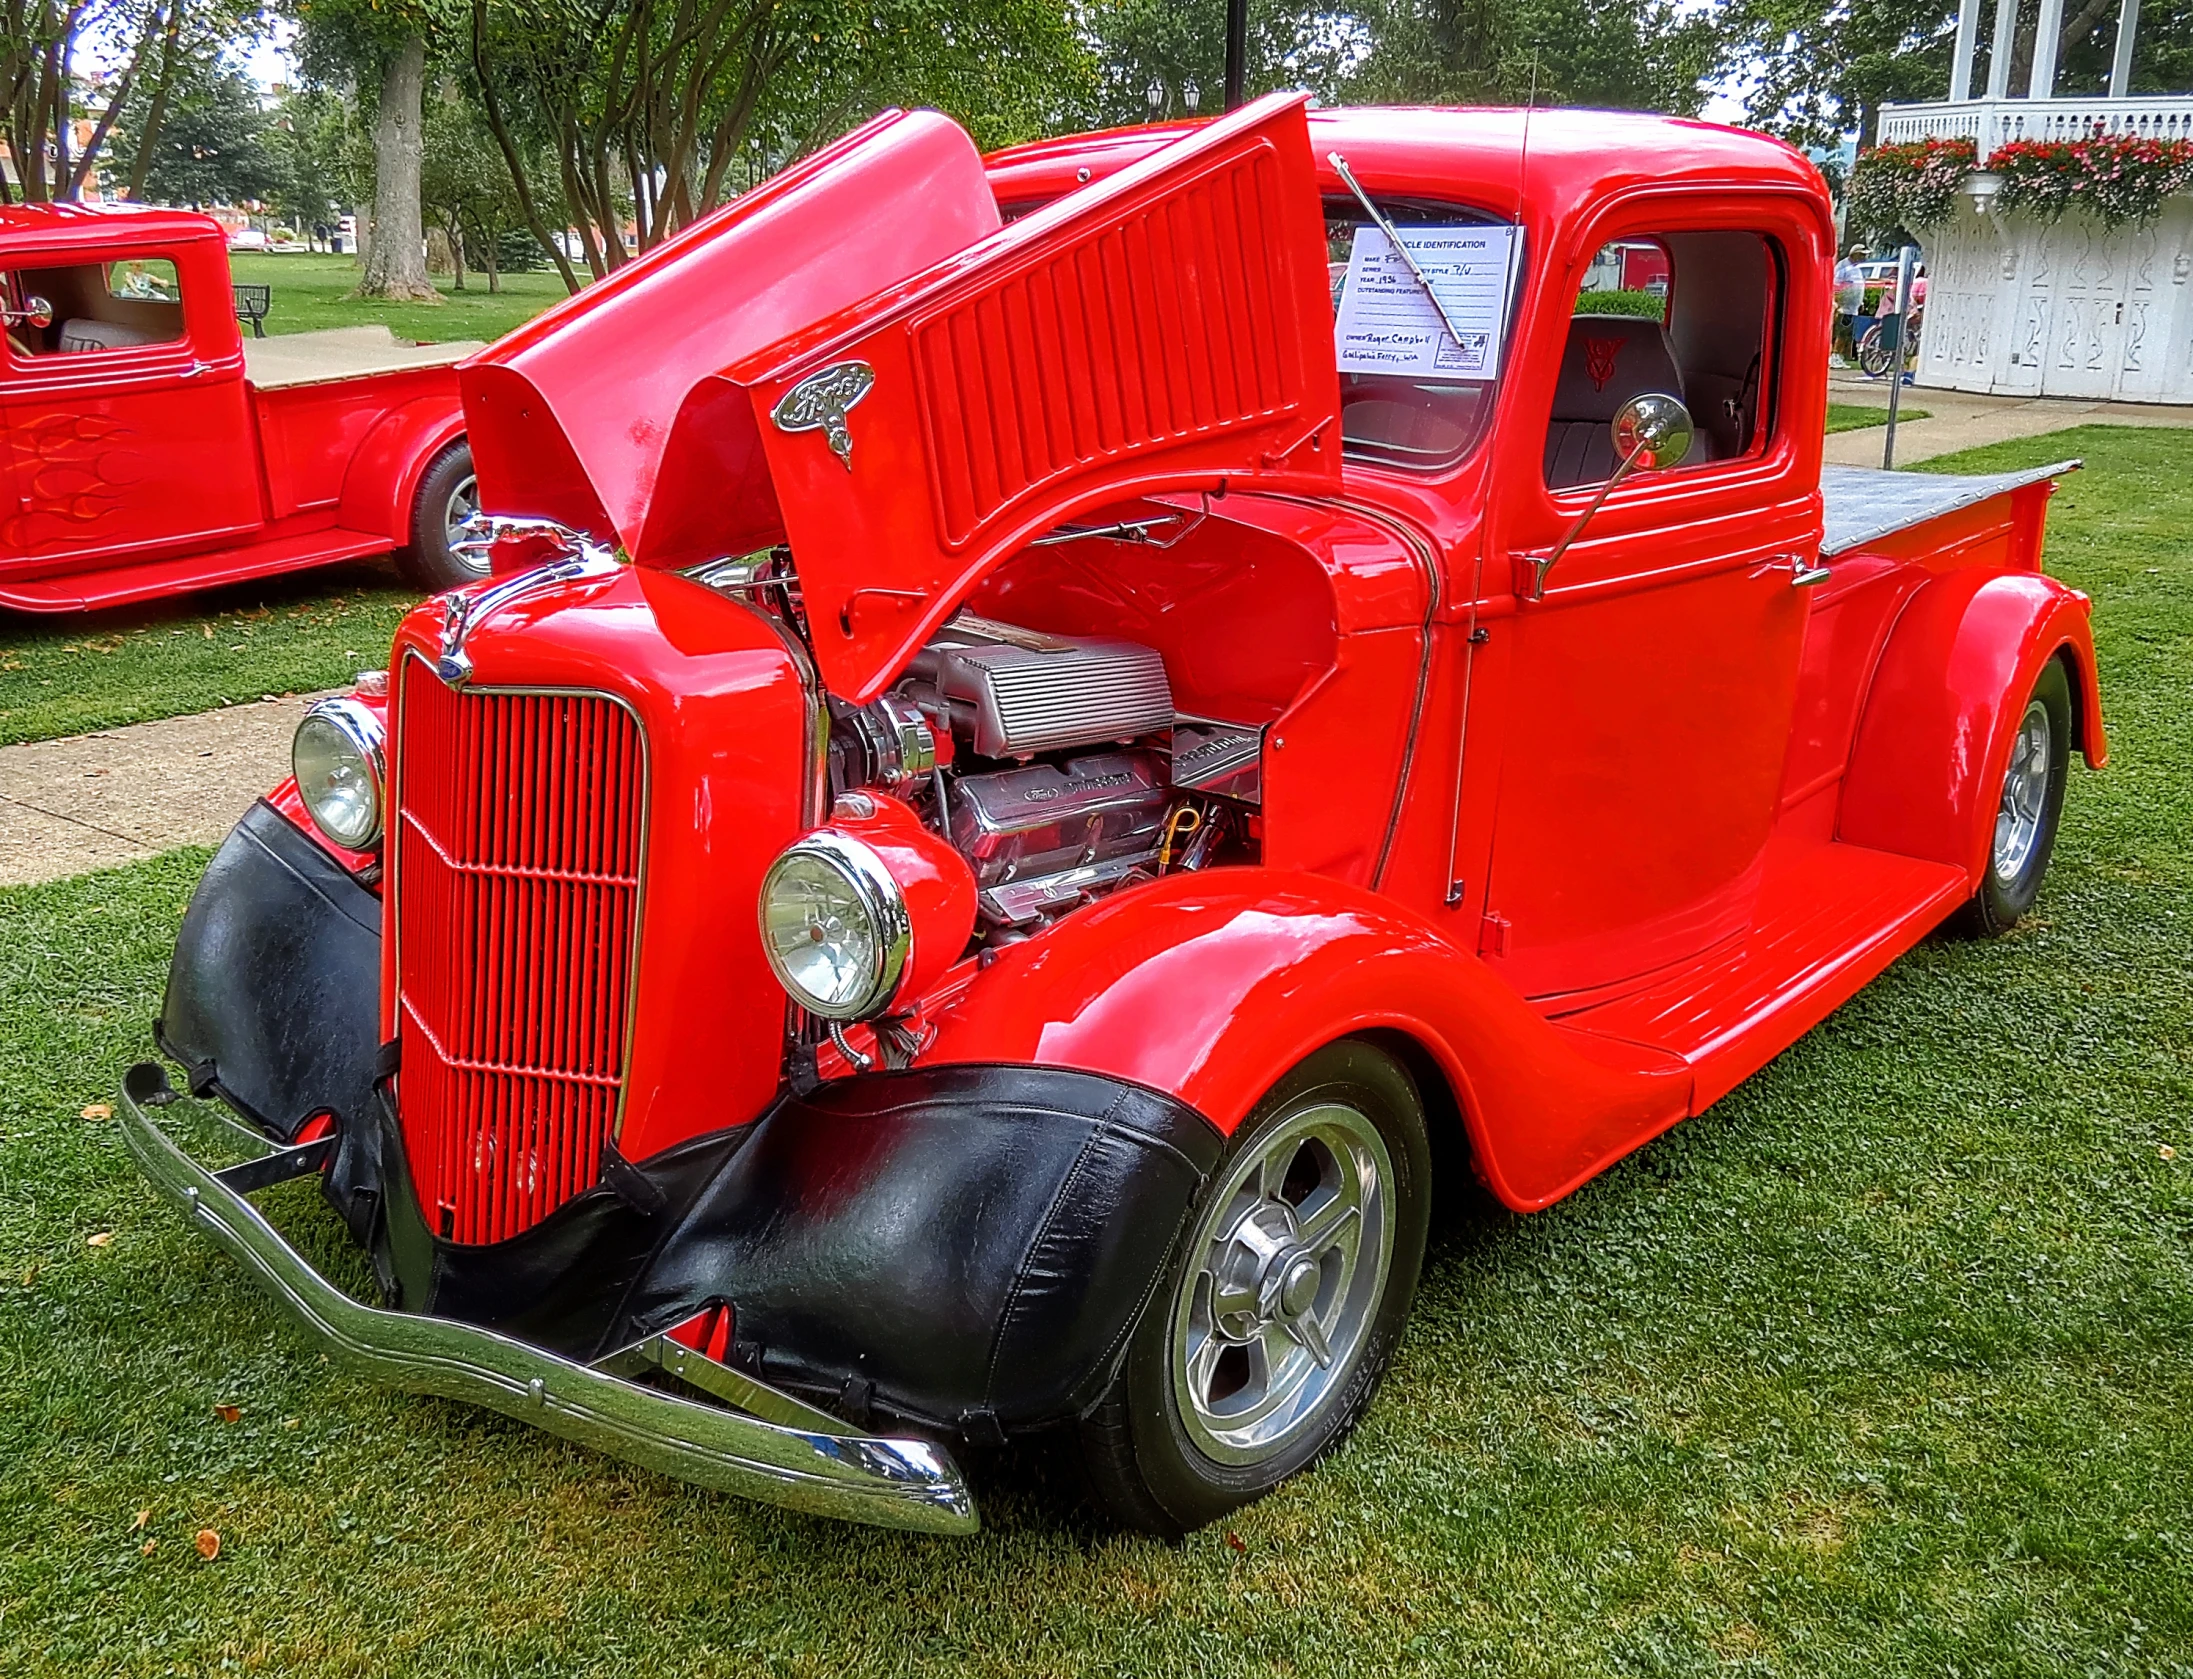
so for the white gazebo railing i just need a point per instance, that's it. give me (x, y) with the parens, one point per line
(1997, 122)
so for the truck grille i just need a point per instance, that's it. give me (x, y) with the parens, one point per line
(516, 883)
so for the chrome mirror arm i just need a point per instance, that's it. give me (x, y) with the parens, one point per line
(1652, 429)
(1540, 564)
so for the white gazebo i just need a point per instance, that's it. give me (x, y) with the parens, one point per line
(2071, 308)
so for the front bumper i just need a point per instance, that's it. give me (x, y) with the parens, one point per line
(795, 1462)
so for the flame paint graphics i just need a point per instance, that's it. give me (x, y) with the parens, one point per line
(71, 472)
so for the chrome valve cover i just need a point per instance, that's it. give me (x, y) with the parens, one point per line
(1039, 837)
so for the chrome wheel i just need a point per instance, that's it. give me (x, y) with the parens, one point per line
(2025, 795)
(463, 504)
(1286, 1270)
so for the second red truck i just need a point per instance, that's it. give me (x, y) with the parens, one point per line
(151, 450)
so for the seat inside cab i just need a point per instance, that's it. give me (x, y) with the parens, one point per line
(97, 306)
(1679, 314)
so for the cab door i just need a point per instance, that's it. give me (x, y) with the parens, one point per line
(1654, 680)
(129, 425)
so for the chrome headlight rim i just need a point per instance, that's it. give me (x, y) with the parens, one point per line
(361, 728)
(881, 899)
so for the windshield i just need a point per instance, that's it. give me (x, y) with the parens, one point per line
(1414, 394)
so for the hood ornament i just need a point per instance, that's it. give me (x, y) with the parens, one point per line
(821, 401)
(462, 610)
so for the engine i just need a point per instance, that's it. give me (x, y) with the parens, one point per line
(1056, 765)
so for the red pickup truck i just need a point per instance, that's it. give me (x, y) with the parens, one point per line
(1055, 740)
(151, 449)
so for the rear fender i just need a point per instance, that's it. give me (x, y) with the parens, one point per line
(391, 459)
(1209, 987)
(1934, 739)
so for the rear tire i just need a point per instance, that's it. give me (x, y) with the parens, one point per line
(2028, 807)
(1308, 1241)
(449, 494)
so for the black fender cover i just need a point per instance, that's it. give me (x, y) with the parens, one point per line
(273, 998)
(963, 1246)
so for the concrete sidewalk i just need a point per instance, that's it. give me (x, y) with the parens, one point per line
(92, 801)
(1958, 420)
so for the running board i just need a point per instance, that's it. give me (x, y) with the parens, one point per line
(1831, 918)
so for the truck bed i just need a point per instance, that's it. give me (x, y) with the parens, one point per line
(1864, 504)
(343, 352)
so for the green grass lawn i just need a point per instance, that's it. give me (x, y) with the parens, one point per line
(1881, 1367)
(1856, 416)
(312, 291)
(290, 634)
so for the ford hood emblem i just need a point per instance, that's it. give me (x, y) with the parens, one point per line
(821, 401)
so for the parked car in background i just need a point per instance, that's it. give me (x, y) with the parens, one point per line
(1023, 791)
(151, 449)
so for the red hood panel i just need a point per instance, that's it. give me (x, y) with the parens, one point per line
(907, 410)
(569, 414)
(1168, 327)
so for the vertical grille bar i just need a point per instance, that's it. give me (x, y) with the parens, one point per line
(516, 892)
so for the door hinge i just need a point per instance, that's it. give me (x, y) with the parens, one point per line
(1492, 936)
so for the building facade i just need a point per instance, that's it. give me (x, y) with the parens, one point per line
(2069, 308)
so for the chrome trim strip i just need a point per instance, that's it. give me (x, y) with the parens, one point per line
(897, 1483)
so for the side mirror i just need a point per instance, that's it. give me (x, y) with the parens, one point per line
(1651, 430)
(36, 311)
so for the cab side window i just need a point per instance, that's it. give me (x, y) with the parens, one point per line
(96, 307)
(1689, 315)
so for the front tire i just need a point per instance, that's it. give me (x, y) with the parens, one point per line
(2027, 810)
(1278, 1318)
(449, 494)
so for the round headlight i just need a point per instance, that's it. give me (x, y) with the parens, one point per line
(834, 926)
(340, 769)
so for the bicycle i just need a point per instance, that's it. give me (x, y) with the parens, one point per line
(1877, 348)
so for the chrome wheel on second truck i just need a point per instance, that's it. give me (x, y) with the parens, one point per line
(1282, 1309)
(448, 495)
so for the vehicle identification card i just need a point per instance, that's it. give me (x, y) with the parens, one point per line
(1387, 325)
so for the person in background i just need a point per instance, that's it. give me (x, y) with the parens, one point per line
(1850, 298)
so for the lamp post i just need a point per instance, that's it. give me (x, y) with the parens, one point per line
(1237, 52)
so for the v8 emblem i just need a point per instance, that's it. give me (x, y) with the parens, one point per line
(821, 401)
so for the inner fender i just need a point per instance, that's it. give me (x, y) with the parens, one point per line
(966, 1247)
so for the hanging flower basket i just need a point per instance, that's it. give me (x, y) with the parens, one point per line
(2118, 178)
(1912, 185)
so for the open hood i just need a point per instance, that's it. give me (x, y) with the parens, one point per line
(913, 392)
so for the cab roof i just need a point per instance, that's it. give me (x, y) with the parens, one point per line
(1528, 165)
(85, 226)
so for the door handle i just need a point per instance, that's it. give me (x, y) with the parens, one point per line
(1803, 572)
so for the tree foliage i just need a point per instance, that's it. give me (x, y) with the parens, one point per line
(140, 53)
(652, 112)
(211, 148)
(1649, 55)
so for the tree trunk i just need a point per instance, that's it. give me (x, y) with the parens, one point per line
(396, 266)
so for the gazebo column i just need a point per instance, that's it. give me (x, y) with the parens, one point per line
(1998, 58)
(2120, 63)
(1968, 32)
(2047, 33)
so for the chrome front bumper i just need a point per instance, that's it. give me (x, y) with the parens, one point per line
(804, 1461)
